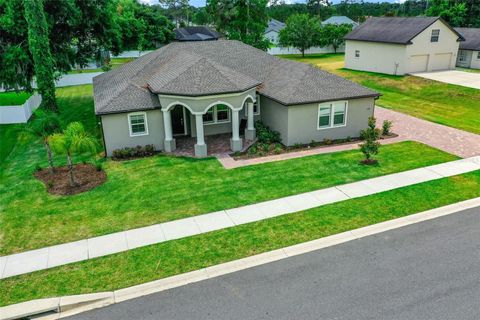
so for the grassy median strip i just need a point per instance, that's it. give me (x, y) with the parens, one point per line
(179, 256)
(161, 188)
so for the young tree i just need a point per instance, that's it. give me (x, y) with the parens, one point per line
(332, 34)
(370, 145)
(243, 20)
(73, 141)
(39, 45)
(301, 32)
(43, 124)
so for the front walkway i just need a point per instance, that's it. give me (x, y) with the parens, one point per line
(461, 78)
(81, 250)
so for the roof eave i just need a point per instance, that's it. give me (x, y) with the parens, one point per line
(203, 94)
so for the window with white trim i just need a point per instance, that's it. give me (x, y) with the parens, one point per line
(137, 123)
(357, 53)
(219, 113)
(462, 56)
(256, 107)
(435, 35)
(332, 114)
(478, 55)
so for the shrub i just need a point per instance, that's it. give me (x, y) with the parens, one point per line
(278, 148)
(38, 167)
(50, 184)
(386, 127)
(370, 135)
(137, 152)
(327, 142)
(267, 135)
(98, 166)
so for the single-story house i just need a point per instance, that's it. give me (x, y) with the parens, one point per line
(273, 30)
(469, 51)
(195, 33)
(201, 88)
(338, 20)
(402, 45)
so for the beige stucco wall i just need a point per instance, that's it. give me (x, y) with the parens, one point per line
(117, 135)
(472, 61)
(376, 57)
(468, 59)
(275, 115)
(446, 45)
(303, 120)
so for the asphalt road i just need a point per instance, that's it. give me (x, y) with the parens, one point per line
(430, 270)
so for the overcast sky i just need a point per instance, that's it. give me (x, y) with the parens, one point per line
(201, 3)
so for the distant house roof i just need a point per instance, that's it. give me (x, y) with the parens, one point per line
(339, 20)
(400, 30)
(199, 33)
(472, 38)
(203, 68)
(274, 25)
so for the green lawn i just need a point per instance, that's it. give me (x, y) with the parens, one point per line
(13, 98)
(450, 105)
(163, 188)
(116, 62)
(188, 254)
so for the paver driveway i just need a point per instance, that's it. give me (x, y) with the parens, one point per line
(458, 142)
(461, 78)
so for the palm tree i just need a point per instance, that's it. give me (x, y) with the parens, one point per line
(44, 124)
(73, 141)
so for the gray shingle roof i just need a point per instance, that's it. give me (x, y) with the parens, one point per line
(274, 25)
(197, 68)
(197, 33)
(399, 30)
(339, 20)
(472, 38)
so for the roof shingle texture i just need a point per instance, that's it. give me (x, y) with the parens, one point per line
(472, 38)
(274, 25)
(202, 68)
(338, 20)
(390, 30)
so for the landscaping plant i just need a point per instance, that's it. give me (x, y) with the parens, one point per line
(43, 125)
(371, 145)
(73, 141)
(386, 127)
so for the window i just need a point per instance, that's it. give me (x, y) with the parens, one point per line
(137, 123)
(478, 55)
(462, 56)
(357, 53)
(217, 114)
(332, 115)
(256, 107)
(435, 35)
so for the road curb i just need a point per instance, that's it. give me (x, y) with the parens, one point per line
(60, 307)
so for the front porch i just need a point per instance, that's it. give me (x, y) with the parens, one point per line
(217, 144)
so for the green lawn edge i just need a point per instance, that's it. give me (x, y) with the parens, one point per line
(193, 253)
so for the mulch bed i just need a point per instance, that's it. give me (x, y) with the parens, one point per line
(86, 175)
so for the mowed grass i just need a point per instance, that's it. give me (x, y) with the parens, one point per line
(115, 62)
(13, 98)
(446, 104)
(183, 255)
(162, 188)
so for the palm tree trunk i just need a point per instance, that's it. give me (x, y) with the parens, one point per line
(49, 155)
(73, 183)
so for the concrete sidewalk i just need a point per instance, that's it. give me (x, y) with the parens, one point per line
(460, 78)
(62, 254)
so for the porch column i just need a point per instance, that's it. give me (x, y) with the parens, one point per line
(250, 133)
(200, 146)
(169, 144)
(235, 141)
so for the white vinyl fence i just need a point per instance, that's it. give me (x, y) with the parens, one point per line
(290, 50)
(132, 54)
(20, 113)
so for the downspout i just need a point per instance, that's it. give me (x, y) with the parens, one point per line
(103, 137)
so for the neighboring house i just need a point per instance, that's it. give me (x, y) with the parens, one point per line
(338, 20)
(203, 88)
(469, 52)
(402, 45)
(198, 33)
(273, 30)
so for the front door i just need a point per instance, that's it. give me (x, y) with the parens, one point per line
(178, 120)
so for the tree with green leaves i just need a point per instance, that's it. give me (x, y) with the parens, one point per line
(42, 125)
(243, 20)
(454, 12)
(179, 10)
(301, 32)
(332, 35)
(39, 44)
(319, 8)
(74, 140)
(370, 146)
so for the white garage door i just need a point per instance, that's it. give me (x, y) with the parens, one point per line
(441, 61)
(418, 63)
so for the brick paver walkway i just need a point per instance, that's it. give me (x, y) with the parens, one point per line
(461, 143)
